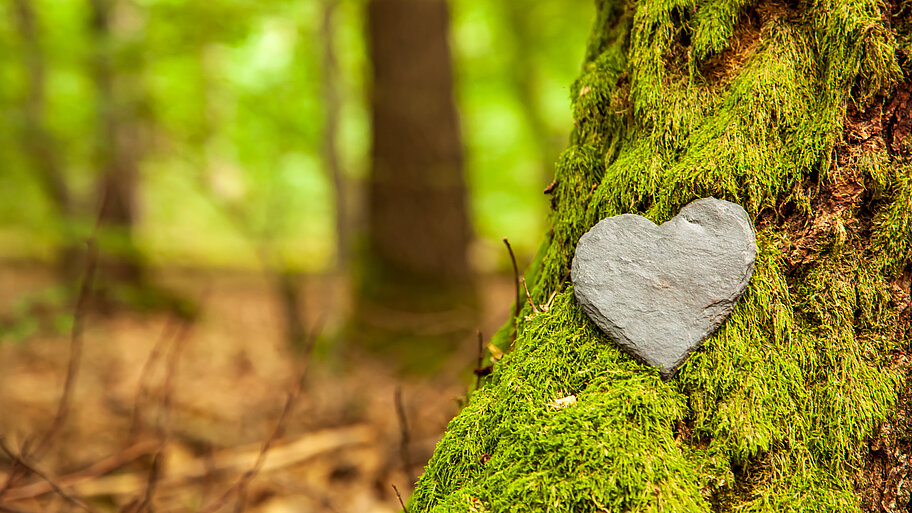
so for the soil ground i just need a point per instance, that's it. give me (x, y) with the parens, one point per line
(167, 416)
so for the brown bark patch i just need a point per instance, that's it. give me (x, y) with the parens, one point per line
(832, 207)
(744, 42)
(884, 483)
(869, 130)
(898, 121)
(884, 124)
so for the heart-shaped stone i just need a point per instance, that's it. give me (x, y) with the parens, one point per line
(660, 291)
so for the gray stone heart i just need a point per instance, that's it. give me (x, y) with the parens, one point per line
(660, 291)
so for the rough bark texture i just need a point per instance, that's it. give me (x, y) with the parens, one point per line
(418, 228)
(417, 213)
(798, 111)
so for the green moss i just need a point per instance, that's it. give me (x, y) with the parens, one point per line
(771, 415)
(715, 22)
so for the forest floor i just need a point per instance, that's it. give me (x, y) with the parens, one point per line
(172, 416)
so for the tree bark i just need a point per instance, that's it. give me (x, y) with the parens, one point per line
(800, 112)
(418, 227)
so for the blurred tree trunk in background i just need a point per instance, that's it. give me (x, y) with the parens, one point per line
(416, 274)
(120, 269)
(39, 144)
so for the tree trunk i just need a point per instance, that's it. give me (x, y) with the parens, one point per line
(418, 227)
(801, 113)
(38, 142)
(119, 261)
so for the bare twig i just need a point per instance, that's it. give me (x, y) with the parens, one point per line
(18, 471)
(399, 496)
(167, 396)
(240, 487)
(142, 387)
(482, 370)
(516, 305)
(296, 486)
(152, 480)
(547, 306)
(7, 509)
(85, 290)
(180, 337)
(31, 468)
(180, 334)
(404, 437)
(99, 468)
(241, 502)
(529, 297)
(15, 473)
(230, 462)
(480, 359)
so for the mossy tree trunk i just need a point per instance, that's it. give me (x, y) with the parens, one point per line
(416, 282)
(800, 111)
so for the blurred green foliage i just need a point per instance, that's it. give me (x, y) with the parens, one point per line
(230, 101)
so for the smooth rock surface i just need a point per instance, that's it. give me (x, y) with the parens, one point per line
(660, 291)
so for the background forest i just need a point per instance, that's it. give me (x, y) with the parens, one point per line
(228, 101)
(190, 238)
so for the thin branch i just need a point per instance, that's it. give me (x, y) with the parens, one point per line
(295, 486)
(85, 290)
(230, 462)
(167, 397)
(142, 386)
(152, 479)
(482, 371)
(18, 471)
(529, 297)
(480, 359)
(241, 502)
(69, 498)
(7, 509)
(100, 468)
(516, 305)
(399, 496)
(404, 437)
(240, 487)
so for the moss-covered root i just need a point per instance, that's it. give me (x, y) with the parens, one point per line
(782, 107)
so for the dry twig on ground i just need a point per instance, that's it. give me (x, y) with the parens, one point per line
(95, 471)
(18, 470)
(405, 438)
(240, 487)
(21, 462)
